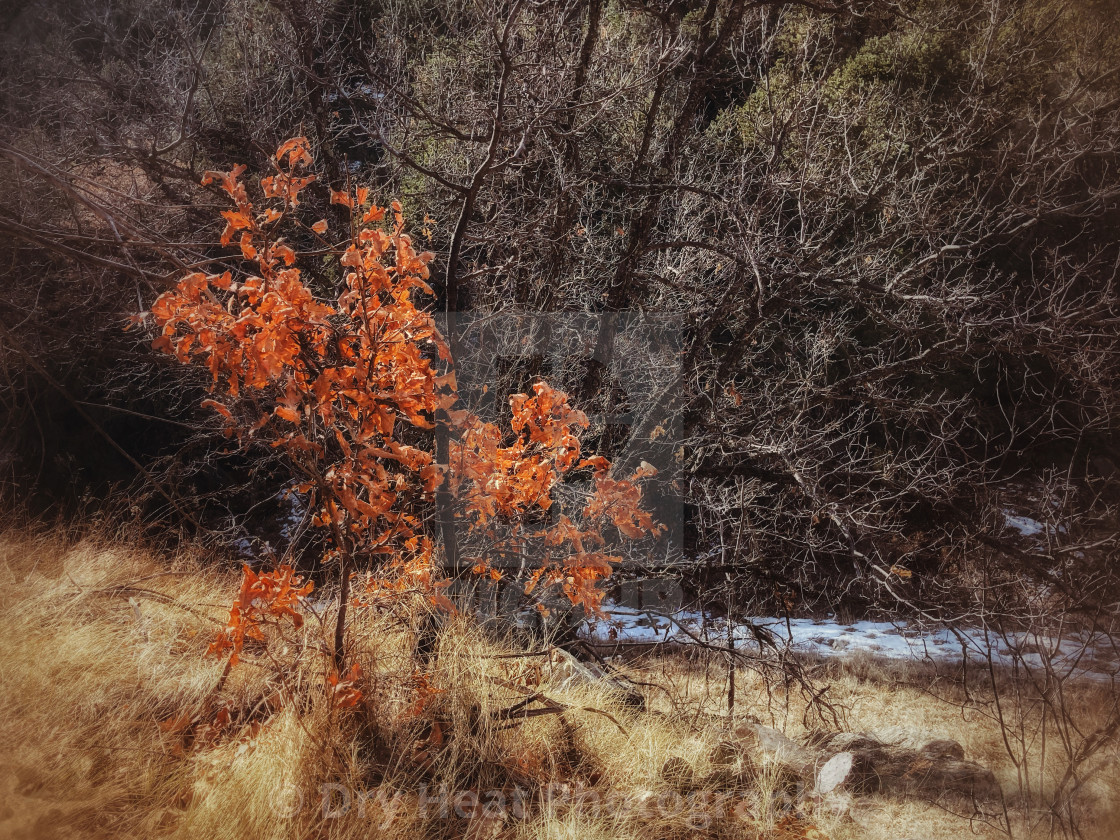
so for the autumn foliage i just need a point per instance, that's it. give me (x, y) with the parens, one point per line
(263, 596)
(347, 386)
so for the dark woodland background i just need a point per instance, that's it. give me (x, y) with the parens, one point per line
(888, 234)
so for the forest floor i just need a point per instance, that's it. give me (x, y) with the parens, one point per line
(111, 726)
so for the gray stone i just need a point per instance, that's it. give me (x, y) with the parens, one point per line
(935, 769)
(864, 764)
(834, 772)
(775, 748)
(678, 773)
(565, 671)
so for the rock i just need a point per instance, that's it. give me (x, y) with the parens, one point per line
(899, 736)
(848, 742)
(775, 748)
(678, 773)
(834, 772)
(943, 749)
(936, 769)
(729, 778)
(939, 776)
(733, 767)
(858, 762)
(565, 671)
(725, 753)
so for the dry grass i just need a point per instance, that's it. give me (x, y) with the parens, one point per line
(104, 650)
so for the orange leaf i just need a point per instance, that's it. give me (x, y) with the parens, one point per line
(218, 407)
(344, 691)
(295, 148)
(443, 602)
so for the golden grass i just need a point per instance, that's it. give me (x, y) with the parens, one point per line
(104, 652)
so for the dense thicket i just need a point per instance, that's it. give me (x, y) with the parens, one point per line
(884, 234)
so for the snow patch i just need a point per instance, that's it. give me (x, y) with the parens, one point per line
(902, 640)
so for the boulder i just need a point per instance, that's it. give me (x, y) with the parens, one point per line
(725, 754)
(858, 762)
(943, 749)
(678, 773)
(775, 749)
(732, 767)
(565, 671)
(834, 773)
(935, 769)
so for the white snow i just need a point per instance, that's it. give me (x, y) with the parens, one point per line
(1029, 527)
(1024, 524)
(901, 640)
